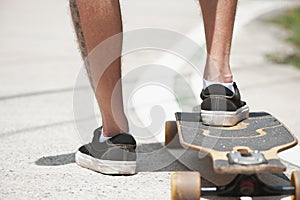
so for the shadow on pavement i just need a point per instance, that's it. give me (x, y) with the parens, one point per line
(155, 157)
(57, 160)
(151, 157)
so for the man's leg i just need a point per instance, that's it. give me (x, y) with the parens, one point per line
(221, 99)
(96, 21)
(218, 16)
(112, 150)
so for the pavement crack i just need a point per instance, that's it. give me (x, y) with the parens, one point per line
(40, 93)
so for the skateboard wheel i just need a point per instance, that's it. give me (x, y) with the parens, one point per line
(186, 185)
(171, 135)
(295, 181)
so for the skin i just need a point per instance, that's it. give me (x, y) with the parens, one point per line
(218, 17)
(97, 20)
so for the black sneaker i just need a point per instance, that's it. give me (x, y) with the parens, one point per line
(222, 107)
(114, 156)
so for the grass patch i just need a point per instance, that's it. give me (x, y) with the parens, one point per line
(290, 20)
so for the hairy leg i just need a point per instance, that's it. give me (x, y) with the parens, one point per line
(218, 16)
(94, 22)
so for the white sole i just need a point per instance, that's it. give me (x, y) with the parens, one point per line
(105, 166)
(224, 118)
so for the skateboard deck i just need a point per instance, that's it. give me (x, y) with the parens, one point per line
(250, 147)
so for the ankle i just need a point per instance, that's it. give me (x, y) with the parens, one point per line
(113, 126)
(218, 72)
(227, 78)
(110, 131)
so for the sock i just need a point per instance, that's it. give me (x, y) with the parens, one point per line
(103, 138)
(228, 85)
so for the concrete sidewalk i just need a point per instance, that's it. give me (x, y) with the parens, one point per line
(40, 64)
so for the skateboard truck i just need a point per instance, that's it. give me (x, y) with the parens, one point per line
(249, 158)
(247, 185)
(187, 185)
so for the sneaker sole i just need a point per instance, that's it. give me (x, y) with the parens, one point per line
(224, 118)
(105, 166)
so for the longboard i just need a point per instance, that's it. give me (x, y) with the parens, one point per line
(243, 152)
(249, 147)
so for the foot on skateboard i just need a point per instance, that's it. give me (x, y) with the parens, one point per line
(246, 151)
